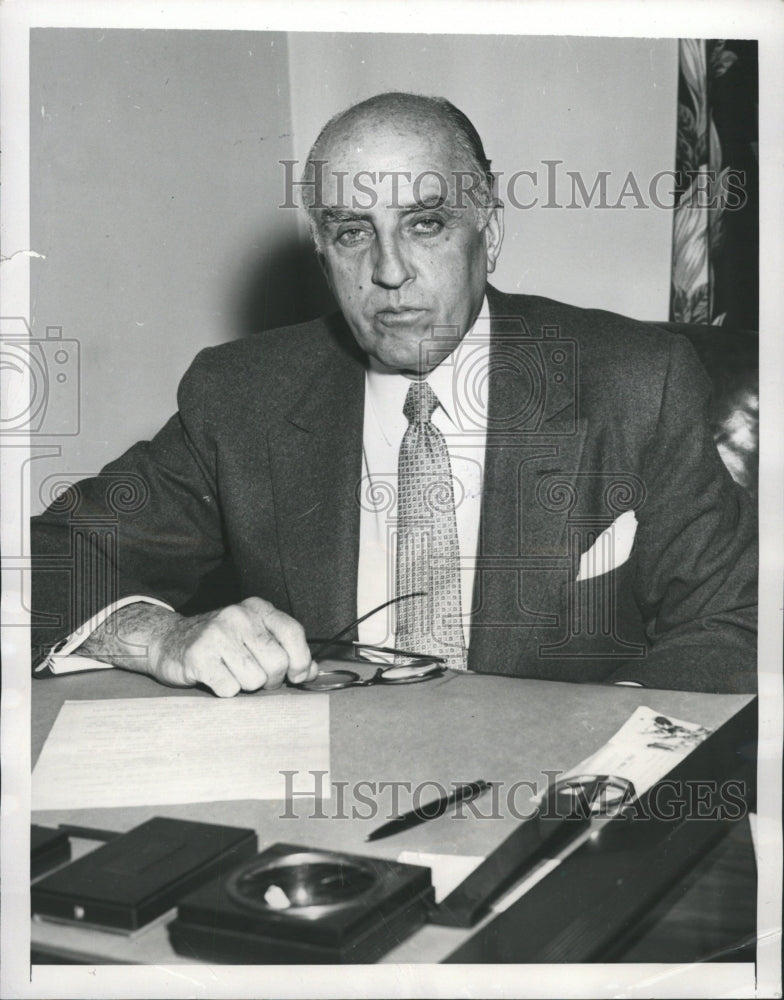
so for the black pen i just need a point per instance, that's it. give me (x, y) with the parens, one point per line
(431, 810)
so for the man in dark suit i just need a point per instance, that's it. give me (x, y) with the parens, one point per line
(581, 427)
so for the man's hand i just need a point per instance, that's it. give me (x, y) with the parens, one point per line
(242, 647)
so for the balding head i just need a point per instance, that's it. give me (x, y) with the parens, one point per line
(409, 113)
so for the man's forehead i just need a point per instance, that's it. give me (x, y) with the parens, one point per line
(400, 189)
(390, 150)
(401, 168)
(392, 142)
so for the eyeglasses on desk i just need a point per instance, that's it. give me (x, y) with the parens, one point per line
(394, 666)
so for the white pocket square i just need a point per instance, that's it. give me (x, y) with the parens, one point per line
(611, 549)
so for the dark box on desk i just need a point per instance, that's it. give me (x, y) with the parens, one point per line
(375, 905)
(133, 879)
(48, 849)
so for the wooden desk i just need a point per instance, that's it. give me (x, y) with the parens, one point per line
(455, 729)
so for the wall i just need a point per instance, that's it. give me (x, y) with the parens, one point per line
(597, 104)
(154, 185)
(155, 181)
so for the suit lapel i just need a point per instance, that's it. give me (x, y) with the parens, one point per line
(316, 459)
(535, 443)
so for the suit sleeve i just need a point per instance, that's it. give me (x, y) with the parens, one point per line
(148, 523)
(696, 554)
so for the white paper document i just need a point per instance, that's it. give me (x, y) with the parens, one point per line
(164, 751)
(646, 747)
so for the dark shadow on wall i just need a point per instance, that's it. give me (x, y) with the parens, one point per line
(278, 286)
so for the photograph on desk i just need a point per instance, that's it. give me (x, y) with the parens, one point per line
(386, 401)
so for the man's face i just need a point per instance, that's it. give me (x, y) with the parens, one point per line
(404, 262)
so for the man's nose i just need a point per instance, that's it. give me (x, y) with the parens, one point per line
(391, 265)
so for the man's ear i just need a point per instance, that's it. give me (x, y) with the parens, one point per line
(494, 235)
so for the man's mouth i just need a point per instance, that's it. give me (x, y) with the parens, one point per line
(399, 316)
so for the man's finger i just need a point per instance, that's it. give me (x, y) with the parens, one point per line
(250, 674)
(300, 676)
(269, 654)
(291, 637)
(213, 672)
(245, 644)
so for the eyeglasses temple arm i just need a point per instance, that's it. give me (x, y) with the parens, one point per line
(339, 635)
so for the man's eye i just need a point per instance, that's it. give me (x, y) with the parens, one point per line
(428, 226)
(353, 236)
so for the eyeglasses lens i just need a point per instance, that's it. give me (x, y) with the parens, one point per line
(410, 671)
(331, 680)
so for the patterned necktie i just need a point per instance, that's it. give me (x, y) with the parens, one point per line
(428, 556)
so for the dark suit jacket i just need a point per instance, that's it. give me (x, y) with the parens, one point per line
(590, 414)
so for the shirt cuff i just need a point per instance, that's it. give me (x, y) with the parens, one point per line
(57, 660)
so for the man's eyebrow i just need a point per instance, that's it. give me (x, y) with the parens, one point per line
(328, 215)
(336, 215)
(431, 203)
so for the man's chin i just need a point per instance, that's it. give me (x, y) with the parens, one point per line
(412, 359)
(407, 364)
